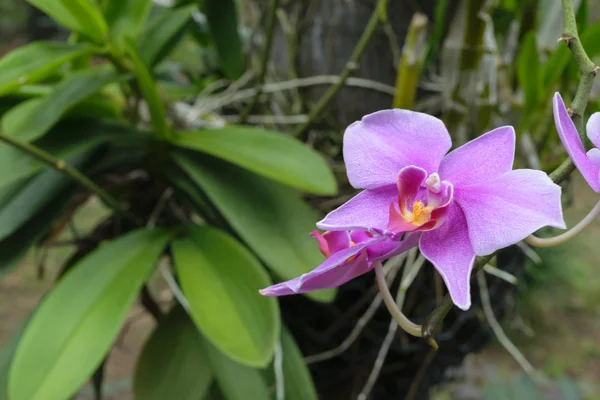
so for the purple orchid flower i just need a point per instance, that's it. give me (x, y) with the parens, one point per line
(453, 206)
(349, 255)
(587, 163)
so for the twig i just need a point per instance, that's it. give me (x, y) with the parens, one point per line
(407, 325)
(264, 59)
(351, 66)
(269, 119)
(168, 277)
(408, 276)
(393, 266)
(498, 273)
(150, 304)
(278, 371)
(587, 70)
(568, 235)
(73, 173)
(158, 209)
(502, 338)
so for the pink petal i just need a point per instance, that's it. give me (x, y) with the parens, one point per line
(381, 144)
(594, 156)
(390, 248)
(337, 240)
(572, 143)
(366, 211)
(593, 129)
(509, 208)
(481, 159)
(449, 250)
(333, 272)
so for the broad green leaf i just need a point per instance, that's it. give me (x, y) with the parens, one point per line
(33, 118)
(236, 381)
(298, 382)
(32, 197)
(264, 152)
(157, 39)
(529, 72)
(35, 61)
(81, 16)
(271, 218)
(6, 356)
(76, 323)
(173, 363)
(149, 91)
(223, 24)
(221, 279)
(126, 18)
(64, 140)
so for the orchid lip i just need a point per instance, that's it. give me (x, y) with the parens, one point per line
(421, 201)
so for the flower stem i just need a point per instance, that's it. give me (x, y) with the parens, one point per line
(351, 66)
(404, 323)
(62, 166)
(568, 235)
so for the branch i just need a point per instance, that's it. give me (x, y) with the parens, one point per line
(271, 17)
(73, 173)
(351, 66)
(587, 70)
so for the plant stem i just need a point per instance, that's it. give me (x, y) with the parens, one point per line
(568, 235)
(351, 66)
(411, 62)
(587, 71)
(406, 324)
(264, 61)
(62, 166)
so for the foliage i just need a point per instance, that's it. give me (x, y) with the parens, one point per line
(98, 104)
(222, 206)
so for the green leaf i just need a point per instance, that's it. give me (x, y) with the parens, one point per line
(31, 197)
(64, 140)
(221, 279)
(529, 72)
(149, 91)
(223, 24)
(81, 16)
(157, 39)
(35, 61)
(33, 118)
(271, 218)
(126, 18)
(77, 322)
(236, 381)
(173, 363)
(6, 356)
(264, 152)
(298, 382)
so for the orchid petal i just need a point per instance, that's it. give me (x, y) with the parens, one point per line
(368, 210)
(449, 249)
(391, 248)
(593, 129)
(484, 158)
(572, 143)
(510, 208)
(333, 272)
(337, 240)
(382, 143)
(594, 156)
